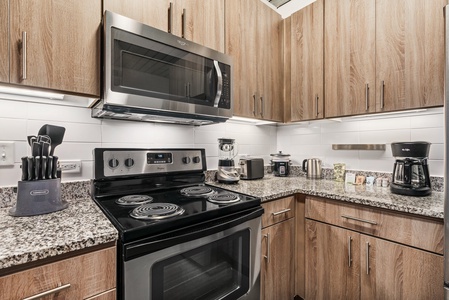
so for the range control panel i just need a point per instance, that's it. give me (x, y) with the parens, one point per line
(122, 162)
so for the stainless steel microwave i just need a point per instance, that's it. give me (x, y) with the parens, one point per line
(151, 75)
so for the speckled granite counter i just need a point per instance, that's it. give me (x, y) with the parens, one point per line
(271, 187)
(27, 239)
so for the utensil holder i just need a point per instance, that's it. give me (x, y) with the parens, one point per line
(38, 197)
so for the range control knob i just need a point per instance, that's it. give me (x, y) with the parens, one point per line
(196, 159)
(186, 160)
(113, 163)
(129, 162)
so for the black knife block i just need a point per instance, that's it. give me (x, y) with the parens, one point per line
(38, 197)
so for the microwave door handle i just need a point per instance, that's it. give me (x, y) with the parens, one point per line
(219, 84)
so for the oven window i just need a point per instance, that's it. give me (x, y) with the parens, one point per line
(219, 270)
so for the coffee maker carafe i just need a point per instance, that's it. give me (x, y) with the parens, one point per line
(411, 172)
(226, 172)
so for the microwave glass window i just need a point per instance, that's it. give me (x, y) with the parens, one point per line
(219, 270)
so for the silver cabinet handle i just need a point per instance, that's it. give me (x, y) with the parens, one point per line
(360, 220)
(170, 17)
(367, 96)
(281, 212)
(24, 55)
(219, 83)
(261, 106)
(316, 105)
(367, 258)
(254, 104)
(382, 96)
(349, 251)
(183, 35)
(267, 257)
(49, 292)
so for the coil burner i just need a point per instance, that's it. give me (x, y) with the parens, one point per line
(134, 200)
(156, 211)
(197, 191)
(224, 198)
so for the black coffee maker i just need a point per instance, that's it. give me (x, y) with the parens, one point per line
(411, 172)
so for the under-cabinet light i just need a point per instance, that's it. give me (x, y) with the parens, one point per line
(30, 93)
(235, 119)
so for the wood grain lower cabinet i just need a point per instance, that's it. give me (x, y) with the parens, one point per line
(87, 276)
(278, 249)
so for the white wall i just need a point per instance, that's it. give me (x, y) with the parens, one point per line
(315, 139)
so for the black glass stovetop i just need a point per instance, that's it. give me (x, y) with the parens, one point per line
(197, 209)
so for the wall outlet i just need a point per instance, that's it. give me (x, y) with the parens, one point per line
(6, 153)
(70, 166)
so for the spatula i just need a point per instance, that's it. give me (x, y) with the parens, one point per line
(56, 134)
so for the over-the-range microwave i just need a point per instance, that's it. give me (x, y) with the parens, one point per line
(151, 75)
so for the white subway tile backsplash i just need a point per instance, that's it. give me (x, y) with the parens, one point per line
(425, 121)
(436, 152)
(46, 112)
(13, 129)
(436, 167)
(77, 151)
(13, 109)
(388, 123)
(385, 136)
(340, 138)
(431, 135)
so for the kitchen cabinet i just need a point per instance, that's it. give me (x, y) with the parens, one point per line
(277, 268)
(354, 252)
(55, 45)
(87, 276)
(254, 35)
(200, 22)
(4, 41)
(383, 55)
(307, 63)
(350, 53)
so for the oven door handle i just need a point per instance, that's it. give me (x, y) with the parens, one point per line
(139, 249)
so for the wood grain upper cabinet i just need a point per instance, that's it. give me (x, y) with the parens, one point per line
(350, 74)
(56, 45)
(409, 54)
(199, 21)
(4, 41)
(254, 41)
(307, 63)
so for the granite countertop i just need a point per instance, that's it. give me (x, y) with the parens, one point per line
(28, 239)
(271, 187)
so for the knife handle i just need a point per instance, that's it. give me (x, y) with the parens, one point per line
(44, 167)
(24, 168)
(55, 167)
(30, 160)
(49, 167)
(37, 167)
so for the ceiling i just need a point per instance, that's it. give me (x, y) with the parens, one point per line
(286, 7)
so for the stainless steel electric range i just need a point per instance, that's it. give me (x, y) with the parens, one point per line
(179, 238)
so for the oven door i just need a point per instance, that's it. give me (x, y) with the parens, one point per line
(224, 264)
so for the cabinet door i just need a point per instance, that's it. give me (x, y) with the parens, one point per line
(393, 271)
(240, 22)
(269, 64)
(307, 63)
(350, 73)
(62, 45)
(204, 22)
(409, 53)
(277, 269)
(332, 262)
(154, 13)
(4, 41)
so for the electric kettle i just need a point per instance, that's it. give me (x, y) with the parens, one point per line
(312, 167)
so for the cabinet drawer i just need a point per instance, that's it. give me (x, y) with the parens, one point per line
(278, 210)
(411, 230)
(88, 275)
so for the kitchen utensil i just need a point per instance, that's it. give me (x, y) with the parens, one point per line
(30, 167)
(49, 167)
(43, 170)
(54, 168)
(37, 167)
(312, 167)
(280, 164)
(31, 139)
(251, 168)
(226, 172)
(24, 168)
(44, 138)
(56, 134)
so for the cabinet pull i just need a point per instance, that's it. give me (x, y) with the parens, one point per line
(281, 211)
(267, 257)
(24, 55)
(261, 106)
(170, 17)
(349, 251)
(183, 35)
(254, 104)
(367, 96)
(49, 292)
(382, 90)
(367, 258)
(316, 105)
(360, 220)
